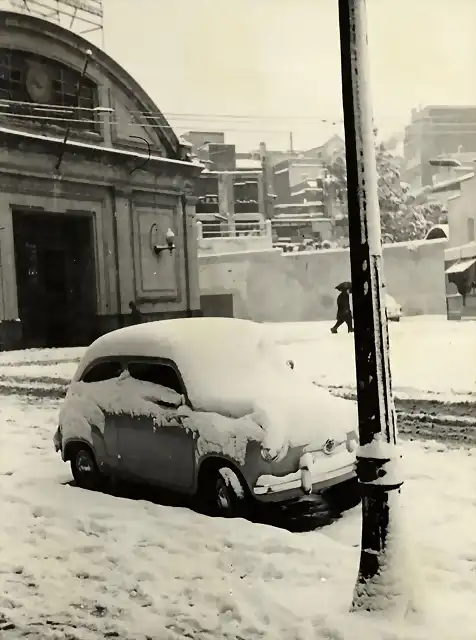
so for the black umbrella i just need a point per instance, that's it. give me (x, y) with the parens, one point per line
(344, 286)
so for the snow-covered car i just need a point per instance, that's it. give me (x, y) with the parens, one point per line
(206, 407)
(394, 310)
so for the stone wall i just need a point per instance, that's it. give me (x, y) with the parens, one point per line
(269, 286)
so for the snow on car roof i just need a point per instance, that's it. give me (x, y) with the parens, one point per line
(222, 360)
(232, 367)
(163, 337)
(177, 339)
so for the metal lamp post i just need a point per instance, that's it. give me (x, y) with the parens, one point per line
(377, 455)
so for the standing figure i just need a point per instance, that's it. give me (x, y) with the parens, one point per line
(136, 316)
(344, 312)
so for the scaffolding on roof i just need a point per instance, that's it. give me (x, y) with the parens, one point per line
(84, 17)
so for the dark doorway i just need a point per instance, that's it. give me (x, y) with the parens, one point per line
(56, 278)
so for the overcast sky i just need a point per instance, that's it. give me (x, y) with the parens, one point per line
(278, 61)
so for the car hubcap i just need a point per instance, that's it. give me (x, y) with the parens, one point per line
(84, 463)
(223, 500)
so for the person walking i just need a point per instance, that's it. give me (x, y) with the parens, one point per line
(344, 312)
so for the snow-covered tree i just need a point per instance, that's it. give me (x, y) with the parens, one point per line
(402, 217)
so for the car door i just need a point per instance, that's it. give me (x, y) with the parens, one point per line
(157, 451)
(106, 444)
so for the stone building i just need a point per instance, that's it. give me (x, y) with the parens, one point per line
(436, 130)
(89, 195)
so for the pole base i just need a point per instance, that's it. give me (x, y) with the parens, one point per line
(382, 579)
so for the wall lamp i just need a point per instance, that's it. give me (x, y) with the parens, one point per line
(169, 240)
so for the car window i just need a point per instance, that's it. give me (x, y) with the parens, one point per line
(156, 373)
(104, 370)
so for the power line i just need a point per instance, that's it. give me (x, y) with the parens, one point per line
(144, 119)
(181, 123)
(235, 118)
(194, 115)
(147, 125)
(181, 115)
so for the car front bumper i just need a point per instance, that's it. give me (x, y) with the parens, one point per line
(302, 483)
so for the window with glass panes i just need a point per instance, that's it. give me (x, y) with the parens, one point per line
(71, 106)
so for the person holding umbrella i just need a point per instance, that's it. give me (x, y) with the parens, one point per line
(344, 311)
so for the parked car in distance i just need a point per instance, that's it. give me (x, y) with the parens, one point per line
(394, 310)
(210, 408)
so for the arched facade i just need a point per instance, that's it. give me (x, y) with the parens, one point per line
(82, 222)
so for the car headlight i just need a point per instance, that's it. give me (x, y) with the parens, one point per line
(352, 441)
(271, 455)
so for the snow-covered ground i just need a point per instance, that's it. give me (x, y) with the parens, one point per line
(429, 355)
(86, 564)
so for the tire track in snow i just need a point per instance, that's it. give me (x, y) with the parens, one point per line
(430, 419)
(38, 363)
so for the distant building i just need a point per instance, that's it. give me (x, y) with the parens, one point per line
(434, 131)
(461, 214)
(460, 257)
(199, 140)
(460, 232)
(327, 152)
(240, 174)
(304, 205)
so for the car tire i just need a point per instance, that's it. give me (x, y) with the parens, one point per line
(85, 470)
(225, 496)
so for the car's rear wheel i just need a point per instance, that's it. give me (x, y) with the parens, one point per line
(224, 494)
(85, 470)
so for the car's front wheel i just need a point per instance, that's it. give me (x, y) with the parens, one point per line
(85, 471)
(225, 495)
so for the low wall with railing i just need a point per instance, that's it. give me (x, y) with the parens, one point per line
(233, 237)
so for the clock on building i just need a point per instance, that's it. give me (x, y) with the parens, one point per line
(39, 83)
